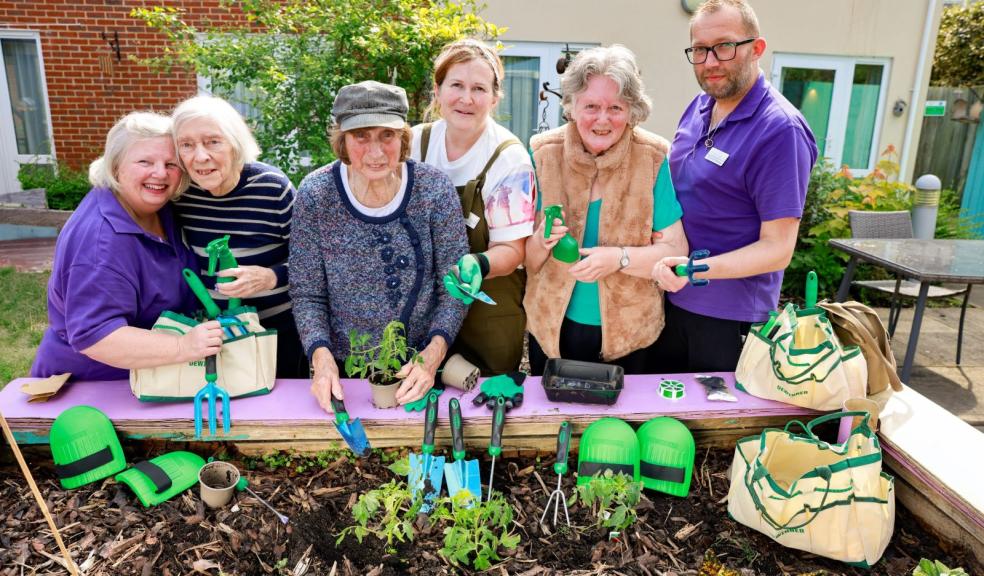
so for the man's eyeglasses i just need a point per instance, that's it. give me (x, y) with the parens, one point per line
(722, 52)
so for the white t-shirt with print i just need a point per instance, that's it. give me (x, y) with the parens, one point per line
(509, 191)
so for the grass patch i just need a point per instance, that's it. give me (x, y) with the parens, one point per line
(23, 319)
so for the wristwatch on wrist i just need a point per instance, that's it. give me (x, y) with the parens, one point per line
(624, 260)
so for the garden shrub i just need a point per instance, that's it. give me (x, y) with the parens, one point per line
(64, 186)
(830, 196)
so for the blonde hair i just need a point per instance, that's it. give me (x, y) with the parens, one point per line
(460, 52)
(616, 62)
(129, 129)
(748, 18)
(230, 123)
(341, 152)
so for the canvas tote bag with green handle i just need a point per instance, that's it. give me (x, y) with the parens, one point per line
(798, 359)
(832, 500)
(246, 364)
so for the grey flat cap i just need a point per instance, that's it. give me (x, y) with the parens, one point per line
(369, 104)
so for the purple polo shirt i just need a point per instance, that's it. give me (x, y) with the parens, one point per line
(771, 151)
(108, 273)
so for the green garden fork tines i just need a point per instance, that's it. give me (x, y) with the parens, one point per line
(557, 497)
(495, 444)
(461, 474)
(427, 467)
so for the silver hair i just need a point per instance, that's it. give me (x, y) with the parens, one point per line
(129, 129)
(230, 123)
(616, 62)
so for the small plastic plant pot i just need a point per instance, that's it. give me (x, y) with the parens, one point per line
(218, 481)
(384, 395)
(849, 423)
(460, 373)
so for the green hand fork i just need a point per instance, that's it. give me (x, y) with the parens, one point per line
(557, 497)
(495, 444)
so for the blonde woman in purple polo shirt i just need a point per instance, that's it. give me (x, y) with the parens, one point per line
(741, 162)
(118, 264)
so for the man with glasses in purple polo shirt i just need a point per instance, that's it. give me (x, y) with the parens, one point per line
(741, 162)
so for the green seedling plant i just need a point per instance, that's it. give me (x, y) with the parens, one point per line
(936, 568)
(475, 530)
(387, 512)
(381, 362)
(612, 499)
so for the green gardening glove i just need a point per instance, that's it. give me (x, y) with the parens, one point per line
(508, 386)
(467, 273)
(420, 405)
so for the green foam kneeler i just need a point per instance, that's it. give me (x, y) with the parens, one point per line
(666, 451)
(180, 468)
(84, 446)
(608, 441)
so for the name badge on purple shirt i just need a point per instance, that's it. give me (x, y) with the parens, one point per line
(716, 156)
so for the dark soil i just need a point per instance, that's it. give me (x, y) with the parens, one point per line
(109, 532)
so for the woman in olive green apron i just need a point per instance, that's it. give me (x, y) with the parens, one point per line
(493, 174)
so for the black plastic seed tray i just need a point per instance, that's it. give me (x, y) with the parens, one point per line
(582, 382)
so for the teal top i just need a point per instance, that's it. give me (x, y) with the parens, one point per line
(584, 307)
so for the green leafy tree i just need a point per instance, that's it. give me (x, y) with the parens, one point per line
(959, 59)
(290, 57)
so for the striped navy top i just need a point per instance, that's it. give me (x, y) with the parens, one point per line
(256, 215)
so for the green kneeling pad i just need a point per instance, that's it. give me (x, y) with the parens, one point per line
(84, 446)
(160, 479)
(666, 453)
(608, 444)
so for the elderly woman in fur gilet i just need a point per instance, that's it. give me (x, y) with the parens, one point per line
(612, 179)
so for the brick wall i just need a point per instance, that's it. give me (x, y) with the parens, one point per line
(88, 90)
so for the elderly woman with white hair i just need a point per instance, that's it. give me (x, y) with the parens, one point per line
(233, 194)
(613, 181)
(118, 264)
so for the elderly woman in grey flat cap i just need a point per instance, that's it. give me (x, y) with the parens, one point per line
(373, 234)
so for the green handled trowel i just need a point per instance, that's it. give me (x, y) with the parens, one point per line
(461, 474)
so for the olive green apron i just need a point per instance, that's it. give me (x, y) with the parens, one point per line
(491, 337)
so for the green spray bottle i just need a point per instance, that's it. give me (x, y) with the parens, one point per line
(566, 250)
(219, 254)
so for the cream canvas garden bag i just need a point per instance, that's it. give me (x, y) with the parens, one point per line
(246, 363)
(829, 499)
(798, 359)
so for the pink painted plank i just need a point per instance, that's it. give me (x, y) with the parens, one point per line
(291, 401)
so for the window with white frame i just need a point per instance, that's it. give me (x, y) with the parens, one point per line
(843, 101)
(528, 66)
(25, 124)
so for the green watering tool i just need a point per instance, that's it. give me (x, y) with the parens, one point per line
(566, 250)
(219, 254)
(351, 430)
(427, 466)
(461, 474)
(495, 444)
(689, 269)
(557, 497)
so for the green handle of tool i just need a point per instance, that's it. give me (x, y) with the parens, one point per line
(549, 213)
(211, 373)
(811, 289)
(457, 430)
(430, 424)
(341, 415)
(498, 422)
(773, 316)
(563, 446)
(195, 283)
(680, 269)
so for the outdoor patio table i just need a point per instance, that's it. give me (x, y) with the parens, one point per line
(957, 261)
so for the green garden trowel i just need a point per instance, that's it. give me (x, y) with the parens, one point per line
(426, 467)
(461, 474)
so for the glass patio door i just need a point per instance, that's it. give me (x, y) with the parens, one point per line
(25, 126)
(842, 100)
